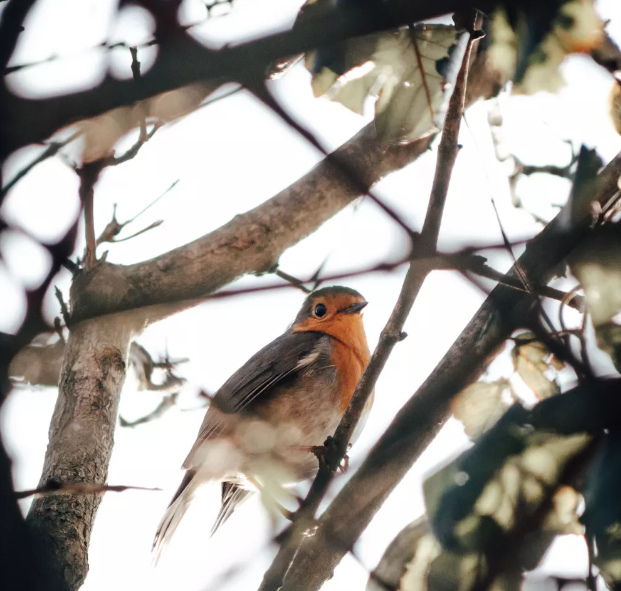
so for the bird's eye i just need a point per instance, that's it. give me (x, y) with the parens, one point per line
(320, 310)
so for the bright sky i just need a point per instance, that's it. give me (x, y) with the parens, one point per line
(228, 158)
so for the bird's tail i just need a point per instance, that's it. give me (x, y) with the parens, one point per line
(174, 513)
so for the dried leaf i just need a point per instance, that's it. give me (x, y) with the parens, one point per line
(480, 405)
(597, 265)
(409, 71)
(401, 552)
(531, 359)
(417, 570)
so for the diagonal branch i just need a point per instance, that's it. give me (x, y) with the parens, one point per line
(336, 447)
(423, 415)
(250, 243)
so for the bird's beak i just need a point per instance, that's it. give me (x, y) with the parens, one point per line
(354, 308)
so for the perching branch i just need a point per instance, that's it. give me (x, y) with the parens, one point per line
(422, 416)
(336, 447)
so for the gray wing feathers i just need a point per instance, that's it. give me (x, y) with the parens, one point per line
(269, 366)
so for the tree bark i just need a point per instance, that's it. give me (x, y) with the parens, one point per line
(81, 438)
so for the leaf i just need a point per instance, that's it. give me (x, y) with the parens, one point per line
(602, 515)
(529, 45)
(480, 405)
(531, 359)
(403, 550)
(609, 340)
(484, 497)
(597, 266)
(409, 72)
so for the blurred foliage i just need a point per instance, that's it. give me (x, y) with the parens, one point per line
(533, 361)
(602, 516)
(480, 405)
(529, 44)
(407, 73)
(597, 265)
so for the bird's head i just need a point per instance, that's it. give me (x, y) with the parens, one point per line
(335, 311)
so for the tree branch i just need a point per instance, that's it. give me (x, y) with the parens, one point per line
(420, 419)
(250, 243)
(80, 445)
(336, 447)
(54, 487)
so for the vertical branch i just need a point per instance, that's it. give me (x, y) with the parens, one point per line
(136, 74)
(89, 173)
(336, 447)
(80, 445)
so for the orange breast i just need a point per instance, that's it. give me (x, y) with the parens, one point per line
(350, 351)
(350, 369)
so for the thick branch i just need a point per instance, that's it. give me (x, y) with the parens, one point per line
(81, 438)
(250, 243)
(423, 415)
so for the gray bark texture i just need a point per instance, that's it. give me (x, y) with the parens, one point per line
(81, 438)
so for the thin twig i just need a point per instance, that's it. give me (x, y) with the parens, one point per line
(54, 487)
(155, 224)
(115, 227)
(264, 95)
(136, 74)
(133, 151)
(52, 149)
(89, 173)
(160, 410)
(292, 280)
(571, 299)
(336, 447)
(172, 186)
(64, 310)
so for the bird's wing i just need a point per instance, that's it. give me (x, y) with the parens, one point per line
(248, 386)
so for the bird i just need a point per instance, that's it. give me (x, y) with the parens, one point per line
(262, 425)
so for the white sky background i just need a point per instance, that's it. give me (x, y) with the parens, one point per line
(229, 157)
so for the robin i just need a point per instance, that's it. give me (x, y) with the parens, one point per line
(262, 424)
